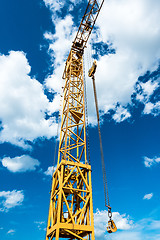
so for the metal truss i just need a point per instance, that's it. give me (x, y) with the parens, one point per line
(71, 207)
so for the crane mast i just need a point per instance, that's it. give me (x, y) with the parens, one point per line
(71, 207)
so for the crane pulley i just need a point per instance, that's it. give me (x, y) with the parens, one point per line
(111, 225)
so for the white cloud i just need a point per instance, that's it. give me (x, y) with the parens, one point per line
(155, 224)
(148, 196)
(101, 219)
(149, 87)
(121, 114)
(146, 90)
(11, 199)
(132, 29)
(40, 225)
(50, 170)
(20, 163)
(23, 104)
(146, 228)
(62, 39)
(11, 231)
(58, 5)
(122, 221)
(152, 108)
(59, 45)
(148, 162)
(59, 48)
(54, 5)
(40, 222)
(128, 235)
(75, 2)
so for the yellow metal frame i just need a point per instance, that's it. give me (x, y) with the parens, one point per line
(71, 207)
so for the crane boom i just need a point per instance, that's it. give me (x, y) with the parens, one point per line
(87, 24)
(84, 31)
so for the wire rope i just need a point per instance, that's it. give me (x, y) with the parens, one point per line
(107, 203)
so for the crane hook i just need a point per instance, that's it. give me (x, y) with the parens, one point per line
(111, 224)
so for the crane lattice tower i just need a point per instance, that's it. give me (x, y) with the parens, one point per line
(71, 207)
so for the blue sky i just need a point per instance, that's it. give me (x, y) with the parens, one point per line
(36, 36)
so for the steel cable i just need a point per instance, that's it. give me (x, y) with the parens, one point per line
(107, 204)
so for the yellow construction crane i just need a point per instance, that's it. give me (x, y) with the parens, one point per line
(71, 207)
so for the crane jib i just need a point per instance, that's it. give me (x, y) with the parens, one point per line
(87, 24)
(85, 28)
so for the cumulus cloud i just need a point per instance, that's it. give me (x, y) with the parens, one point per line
(11, 232)
(148, 196)
(59, 45)
(146, 90)
(23, 104)
(152, 108)
(11, 199)
(121, 114)
(20, 163)
(132, 29)
(62, 38)
(101, 218)
(50, 170)
(57, 5)
(59, 48)
(148, 162)
(54, 5)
